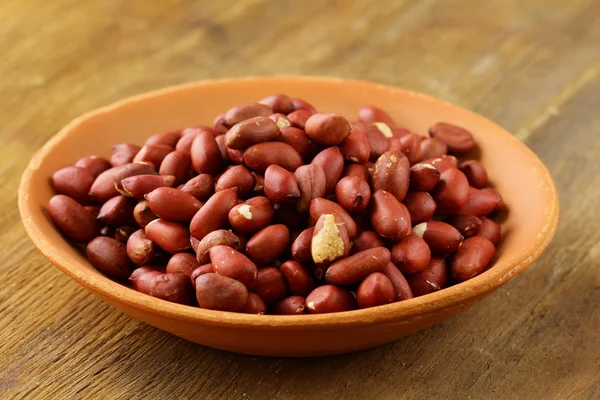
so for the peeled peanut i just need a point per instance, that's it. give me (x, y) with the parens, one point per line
(298, 278)
(173, 204)
(330, 240)
(472, 258)
(169, 138)
(280, 185)
(178, 164)
(109, 257)
(458, 139)
(270, 285)
(378, 143)
(244, 112)
(442, 238)
(433, 278)
(252, 215)
(279, 103)
(353, 194)
(298, 118)
(389, 217)
(140, 249)
(139, 185)
(175, 288)
(432, 148)
(117, 212)
(423, 177)
(153, 153)
(327, 129)
(475, 173)
(329, 299)
(301, 247)
(355, 147)
(293, 305)
(201, 186)
(238, 177)
(142, 214)
(123, 154)
(220, 237)
(266, 245)
(479, 203)
(252, 131)
(74, 182)
(169, 236)
(205, 153)
(182, 263)
(490, 230)
(451, 192)
(402, 289)
(254, 305)
(467, 225)
(322, 206)
(75, 221)
(214, 213)
(357, 267)
(420, 206)
(370, 114)
(298, 139)
(391, 173)
(366, 240)
(218, 292)
(375, 290)
(105, 186)
(94, 164)
(332, 162)
(260, 156)
(411, 255)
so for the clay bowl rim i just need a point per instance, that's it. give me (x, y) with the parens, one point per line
(492, 278)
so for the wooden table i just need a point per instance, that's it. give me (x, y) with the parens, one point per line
(531, 65)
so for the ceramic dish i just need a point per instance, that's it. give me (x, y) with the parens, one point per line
(518, 174)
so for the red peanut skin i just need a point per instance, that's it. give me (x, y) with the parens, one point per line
(184, 145)
(353, 194)
(332, 162)
(322, 206)
(499, 201)
(219, 125)
(103, 188)
(301, 104)
(259, 207)
(218, 292)
(252, 131)
(244, 112)
(169, 138)
(254, 305)
(475, 173)
(215, 238)
(237, 177)
(451, 192)
(173, 204)
(327, 129)
(442, 163)
(366, 240)
(370, 114)
(280, 185)
(153, 153)
(270, 285)
(402, 289)
(391, 173)
(266, 245)
(260, 156)
(431, 279)
(355, 148)
(201, 187)
(175, 288)
(312, 184)
(420, 206)
(233, 264)
(109, 257)
(140, 185)
(140, 249)
(74, 182)
(177, 164)
(298, 278)
(459, 140)
(136, 275)
(279, 103)
(432, 148)
(442, 238)
(73, 220)
(94, 164)
(293, 305)
(329, 299)
(123, 153)
(389, 217)
(214, 213)
(355, 268)
(479, 203)
(411, 147)
(301, 247)
(411, 255)
(378, 143)
(468, 225)
(490, 230)
(298, 139)
(201, 270)
(471, 259)
(205, 153)
(298, 118)
(117, 212)
(358, 170)
(142, 214)
(169, 236)
(182, 263)
(423, 177)
(375, 290)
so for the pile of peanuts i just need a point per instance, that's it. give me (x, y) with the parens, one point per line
(279, 209)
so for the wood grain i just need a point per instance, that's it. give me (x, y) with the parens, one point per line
(531, 65)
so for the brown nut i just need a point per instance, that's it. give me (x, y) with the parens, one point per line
(499, 200)
(74, 182)
(169, 236)
(219, 237)
(389, 217)
(391, 173)
(244, 112)
(236, 177)
(420, 206)
(402, 289)
(233, 264)
(279, 103)
(252, 215)
(177, 164)
(311, 183)
(301, 247)
(288, 215)
(432, 148)
(123, 233)
(423, 177)
(205, 153)
(442, 238)
(280, 185)
(332, 162)
(358, 170)
(140, 249)
(357, 267)
(218, 292)
(252, 131)
(109, 257)
(459, 140)
(298, 278)
(175, 288)
(298, 139)
(442, 163)
(219, 125)
(182, 263)
(378, 142)
(169, 138)
(451, 192)
(467, 225)
(366, 240)
(266, 245)
(153, 153)
(117, 212)
(490, 230)
(411, 147)
(411, 255)
(201, 187)
(123, 153)
(107, 231)
(254, 305)
(327, 129)
(142, 214)
(139, 185)
(329, 299)
(93, 209)
(300, 104)
(270, 285)
(105, 186)
(375, 290)
(479, 203)
(230, 156)
(95, 164)
(355, 147)
(141, 277)
(298, 118)
(433, 278)
(320, 206)
(201, 270)
(475, 173)
(260, 156)
(281, 120)
(173, 204)
(184, 145)
(214, 213)
(259, 186)
(353, 194)
(75, 221)
(330, 240)
(293, 305)
(472, 258)
(370, 114)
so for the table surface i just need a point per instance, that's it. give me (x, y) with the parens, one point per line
(531, 65)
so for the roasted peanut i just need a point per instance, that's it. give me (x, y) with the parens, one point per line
(472, 257)
(184, 145)
(327, 129)
(411, 147)
(175, 288)
(378, 143)
(411, 255)
(266, 245)
(169, 236)
(475, 173)
(173, 204)
(293, 305)
(442, 163)
(142, 214)
(298, 118)
(123, 153)
(252, 131)
(281, 120)
(238, 177)
(353, 194)
(95, 164)
(254, 305)
(366, 240)
(117, 211)
(109, 257)
(467, 225)
(270, 285)
(233, 264)
(355, 147)
(169, 138)
(177, 164)
(312, 184)
(402, 289)
(330, 240)
(375, 290)
(433, 278)
(218, 292)
(260, 156)
(391, 173)
(357, 267)
(370, 114)
(252, 215)
(300, 104)
(389, 217)
(279, 103)
(105, 186)
(123, 233)
(140, 249)
(280, 185)
(76, 222)
(205, 153)
(141, 277)
(182, 263)
(358, 170)
(201, 186)
(423, 177)
(442, 238)
(139, 185)
(322, 206)
(219, 125)
(332, 162)
(432, 148)
(298, 139)
(153, 153)
(459, 140)
(201, 270)
(301, 247)
(499, 200)
(298, 278)
(214, 213)
(329, 299)
(479, 203)
(244, 112)
(451, 192)
(420, 206)
(74, 182)
(490, 230)
(218, 237)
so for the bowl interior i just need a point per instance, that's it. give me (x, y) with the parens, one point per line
(517, 173)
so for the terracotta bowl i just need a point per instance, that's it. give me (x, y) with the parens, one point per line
(520, 176)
